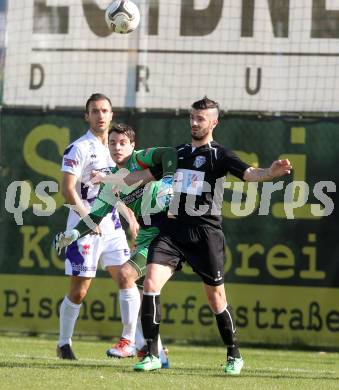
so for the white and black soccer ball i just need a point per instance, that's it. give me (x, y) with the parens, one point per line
(122, 16)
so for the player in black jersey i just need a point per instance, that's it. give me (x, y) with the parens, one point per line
(193, 232)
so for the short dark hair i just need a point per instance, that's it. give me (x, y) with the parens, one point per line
(205, 103)
(122, 128)
(95, 97)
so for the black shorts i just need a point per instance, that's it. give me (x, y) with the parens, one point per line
(203, 247)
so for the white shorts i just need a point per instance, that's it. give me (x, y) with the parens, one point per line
(84, 255)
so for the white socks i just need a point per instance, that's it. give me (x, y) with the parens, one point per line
(139, 336)
(69, 313)
(160, 347)
(129, 307)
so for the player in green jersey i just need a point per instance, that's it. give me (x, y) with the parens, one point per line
(149, 202)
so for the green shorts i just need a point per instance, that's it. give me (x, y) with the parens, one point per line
(138, 258)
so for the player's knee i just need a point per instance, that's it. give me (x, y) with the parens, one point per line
(126, 277)
(216, 301)
(77, 296)
(150, 285)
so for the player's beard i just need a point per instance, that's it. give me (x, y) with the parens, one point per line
(200, 134)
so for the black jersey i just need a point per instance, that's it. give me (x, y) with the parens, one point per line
(199, 186)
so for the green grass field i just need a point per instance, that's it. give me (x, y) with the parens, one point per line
(30, 363)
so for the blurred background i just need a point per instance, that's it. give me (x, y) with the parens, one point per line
(273, 65)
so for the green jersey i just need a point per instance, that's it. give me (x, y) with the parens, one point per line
(144, 201)
(149, 202)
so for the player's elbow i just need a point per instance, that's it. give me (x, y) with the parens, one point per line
(248, 175)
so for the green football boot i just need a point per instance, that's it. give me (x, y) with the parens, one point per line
(233, 365)
(148, 363)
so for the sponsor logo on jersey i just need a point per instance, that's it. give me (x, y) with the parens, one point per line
(133, 196)
(199, 161)
(68, 162)
(189, 181)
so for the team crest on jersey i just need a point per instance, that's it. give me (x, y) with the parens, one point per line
(199, 161)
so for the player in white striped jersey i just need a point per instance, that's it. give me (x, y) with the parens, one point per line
(109, 246)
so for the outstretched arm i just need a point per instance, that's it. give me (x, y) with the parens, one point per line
(88, 223)
(123, 177)
(167, 158)
(163, 162)
(277, 169)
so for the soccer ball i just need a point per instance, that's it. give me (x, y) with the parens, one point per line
(165, 192)
(122, 16)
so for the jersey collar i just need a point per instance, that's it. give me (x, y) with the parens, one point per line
(201, 148)
(91, 136)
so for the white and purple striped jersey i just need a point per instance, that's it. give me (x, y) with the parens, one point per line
(80, 158)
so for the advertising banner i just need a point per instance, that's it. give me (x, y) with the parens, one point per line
(299, 316)
(281, 259)
(268, 56)
(2, 43)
